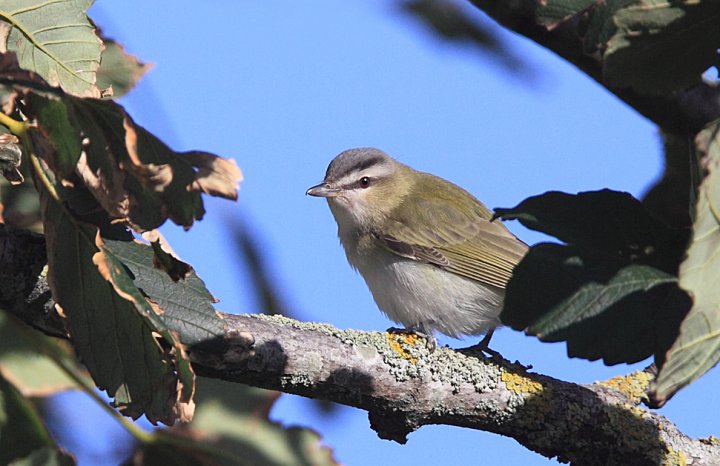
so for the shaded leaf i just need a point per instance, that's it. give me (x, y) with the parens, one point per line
(591, 20)
(653, 36)
(609, 292)
(25, 360)
(54, 39)
(23, 436)
(56, 125)
(601, 25)
(550, 13)
(610, 223)
(602, 309)
(184, 305)
(671, 198)
(697, 349)
(116, 272)
(231, 428)
(119, 70)
(122, 343)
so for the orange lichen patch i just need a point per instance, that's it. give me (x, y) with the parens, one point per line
(521, 384)
(400, 342)
(633, 386)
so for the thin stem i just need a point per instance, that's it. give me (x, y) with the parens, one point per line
(42, 176)
(18, 128)
(136, 431)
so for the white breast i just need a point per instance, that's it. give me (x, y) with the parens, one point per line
(420, 295)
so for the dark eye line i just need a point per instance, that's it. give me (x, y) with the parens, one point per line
(362, 183)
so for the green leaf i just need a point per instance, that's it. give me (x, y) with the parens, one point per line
(56, 125)
(672, 196)
(185, 305)
(654, 36)
(25, 360)
(116, 272)
(550, 13)
(602, 309)
(697, 349)
(231, 427)
(124, 344)
(22, 432)
(54, 39)
(610, 223)
(601, 25)
(119, 70)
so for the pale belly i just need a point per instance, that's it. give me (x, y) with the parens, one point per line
(423, 296)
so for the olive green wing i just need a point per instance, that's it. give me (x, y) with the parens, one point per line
(461, 241)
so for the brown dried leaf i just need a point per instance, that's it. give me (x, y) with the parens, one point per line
(10, 158)
(155, 177)
(119, 71)
(164, 257)
(215, 176)
(107, 190)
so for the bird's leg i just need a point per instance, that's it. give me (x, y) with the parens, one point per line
(495, 355)
(424, 330)
(484, 347)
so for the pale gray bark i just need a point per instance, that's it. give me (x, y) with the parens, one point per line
(402, 384)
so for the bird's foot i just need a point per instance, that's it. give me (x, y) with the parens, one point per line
(495, 356)
(484, 347)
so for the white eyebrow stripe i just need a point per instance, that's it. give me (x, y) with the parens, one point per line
(375, 172)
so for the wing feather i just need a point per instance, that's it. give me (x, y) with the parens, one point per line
(465, 243)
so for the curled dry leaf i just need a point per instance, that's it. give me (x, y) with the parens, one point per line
(155, 177)
(10, 158)
(136, 178)
(106, 187)
(119, 71)
(215, 176)
(184, 407)
(164, 257)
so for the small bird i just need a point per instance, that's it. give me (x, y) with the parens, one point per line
(427, 249)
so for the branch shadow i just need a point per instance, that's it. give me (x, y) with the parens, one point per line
(575, 424)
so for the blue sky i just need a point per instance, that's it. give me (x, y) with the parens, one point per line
(283, 87)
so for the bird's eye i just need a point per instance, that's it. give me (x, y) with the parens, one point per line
(364, 182)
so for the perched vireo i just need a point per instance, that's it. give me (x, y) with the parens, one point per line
(426, 248)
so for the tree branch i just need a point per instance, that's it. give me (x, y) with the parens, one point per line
(403, 385)
(684, 112)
